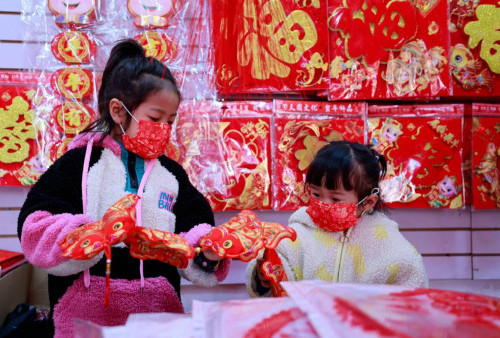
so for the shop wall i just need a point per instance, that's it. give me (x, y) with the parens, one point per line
(456, 244)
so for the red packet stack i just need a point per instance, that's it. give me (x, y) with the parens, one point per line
(388, 49)
(474, 52)
(301, 129)
(270, 46)
(423, 148)
(10, 260)
(20, 161)
(226, 152)
(486, 156)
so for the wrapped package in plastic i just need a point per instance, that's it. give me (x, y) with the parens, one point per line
(423, 147)
(176, 32)
(270, 46)
(225, 148)
(474, 50)
(266, 317)
(388, 49)
(301, 128)
(61, 54)
(357, 310)
(486, 156)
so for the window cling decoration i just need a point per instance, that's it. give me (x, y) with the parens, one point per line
(485, 156)
(301, 128)
(423, 147)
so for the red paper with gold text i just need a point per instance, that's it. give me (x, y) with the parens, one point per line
(388, 49)
(270, 46)
(19, 162)
(485, 156)
(301, 129)
(226, 151)
(423, 147)
(474, 50)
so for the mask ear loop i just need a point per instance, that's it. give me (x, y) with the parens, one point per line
(374, 191)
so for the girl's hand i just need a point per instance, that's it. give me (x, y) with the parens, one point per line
(263, 281)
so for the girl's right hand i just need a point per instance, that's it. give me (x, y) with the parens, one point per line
(260, 276)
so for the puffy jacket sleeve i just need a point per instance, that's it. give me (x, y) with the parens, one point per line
(52, 209)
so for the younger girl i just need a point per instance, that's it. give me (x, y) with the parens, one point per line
(120, 153)
(342, 236)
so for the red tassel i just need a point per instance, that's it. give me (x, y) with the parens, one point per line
(108, 274)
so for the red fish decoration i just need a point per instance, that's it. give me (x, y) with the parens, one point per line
(244, 235)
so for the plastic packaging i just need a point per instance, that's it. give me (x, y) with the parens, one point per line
(423, 147)
(474, 51)
(226, 151)
(301, 128)
(486, 156)
(374, 55)
(270, 46)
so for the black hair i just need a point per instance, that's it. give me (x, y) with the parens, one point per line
(351, 165)
(131, 77)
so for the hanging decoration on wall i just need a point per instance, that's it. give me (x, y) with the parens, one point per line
(423, 147)
(377, 55)
(270, 46)
(301, 129)
(20, 160)
(474, 52)
(226, 151)
(486, 156)
(73, 47)
(153, 16)
(73, 13)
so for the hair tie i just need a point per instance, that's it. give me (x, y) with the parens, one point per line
(377, 157)
(163, 74)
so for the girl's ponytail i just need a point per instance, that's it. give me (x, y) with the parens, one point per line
(382, 162)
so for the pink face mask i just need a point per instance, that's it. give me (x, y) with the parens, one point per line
(336, 216)
(151, 140)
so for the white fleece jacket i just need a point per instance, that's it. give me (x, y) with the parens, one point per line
(371, 252)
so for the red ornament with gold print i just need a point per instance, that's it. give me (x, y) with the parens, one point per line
(153, 17)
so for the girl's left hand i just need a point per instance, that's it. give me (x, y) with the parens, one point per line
(211, 256)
